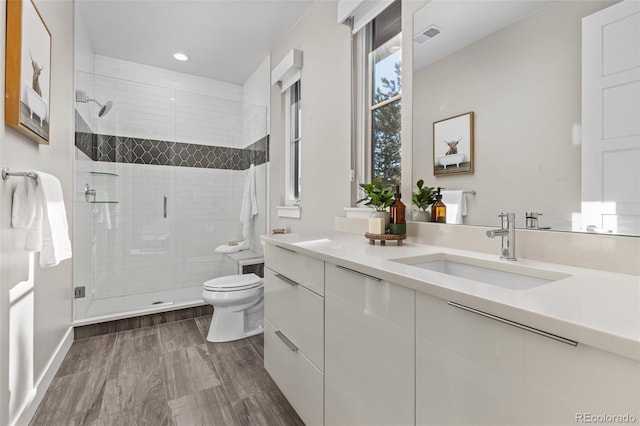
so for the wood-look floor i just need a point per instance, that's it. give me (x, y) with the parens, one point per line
(164, 375)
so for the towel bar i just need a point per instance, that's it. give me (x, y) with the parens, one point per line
(6, 174)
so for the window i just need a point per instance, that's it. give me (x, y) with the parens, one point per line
(384, 116)
(293, 157)
(377, 66)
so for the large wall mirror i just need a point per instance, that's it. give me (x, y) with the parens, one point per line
(518, 66)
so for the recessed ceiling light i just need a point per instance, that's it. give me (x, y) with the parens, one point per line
(180, 56)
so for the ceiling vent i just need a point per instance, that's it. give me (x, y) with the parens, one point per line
(430, 32)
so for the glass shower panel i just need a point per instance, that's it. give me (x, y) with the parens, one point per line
(131, 245)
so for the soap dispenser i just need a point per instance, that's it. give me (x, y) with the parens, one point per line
(397, 222)
(438, 209)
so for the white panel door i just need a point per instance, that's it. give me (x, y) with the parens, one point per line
(611, 119)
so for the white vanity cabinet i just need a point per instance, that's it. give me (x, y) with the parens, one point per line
(294, 329)
(473, 369)
(369, 350)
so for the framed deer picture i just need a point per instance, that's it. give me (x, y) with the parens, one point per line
(453, 145)
(27, 71)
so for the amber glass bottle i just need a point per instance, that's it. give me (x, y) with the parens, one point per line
(439, 210)
(397, 222)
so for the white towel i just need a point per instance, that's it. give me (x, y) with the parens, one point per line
(225, 248)
(23, 209)
(48, 231)
(249, 203)
(456, 204)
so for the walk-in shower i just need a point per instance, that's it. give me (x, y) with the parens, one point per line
(166, 170)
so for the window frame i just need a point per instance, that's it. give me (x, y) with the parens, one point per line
(293, 162)
(363, 108)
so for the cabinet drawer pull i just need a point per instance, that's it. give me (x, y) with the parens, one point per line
(286, 341)
(287, 249)
(287, 280)
(515, 324)
(359, 273)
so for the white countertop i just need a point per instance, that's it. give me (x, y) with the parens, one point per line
(595, 308)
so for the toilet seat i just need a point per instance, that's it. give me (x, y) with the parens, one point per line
(233, 283)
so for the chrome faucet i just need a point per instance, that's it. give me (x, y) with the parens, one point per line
(532, 219)
(508, 234)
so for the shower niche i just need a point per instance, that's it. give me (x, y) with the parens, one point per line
(165, 159)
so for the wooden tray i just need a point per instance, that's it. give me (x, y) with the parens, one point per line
(383, 238)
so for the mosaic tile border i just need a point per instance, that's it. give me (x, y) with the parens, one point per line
(119, 149)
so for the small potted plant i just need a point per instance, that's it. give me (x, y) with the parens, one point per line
(422, 199)
(378, 198)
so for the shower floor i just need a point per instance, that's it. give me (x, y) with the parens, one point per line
(114, 308)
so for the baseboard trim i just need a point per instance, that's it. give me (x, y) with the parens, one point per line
(44, 381)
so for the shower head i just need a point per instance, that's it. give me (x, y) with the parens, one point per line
(105, 108)
(81, 96)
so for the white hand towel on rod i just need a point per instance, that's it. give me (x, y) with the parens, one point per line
(249, 203)
(456, 203)
(48, 231)
(23, 209)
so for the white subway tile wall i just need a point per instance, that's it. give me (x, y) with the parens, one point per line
(154, 103)
(138, 250)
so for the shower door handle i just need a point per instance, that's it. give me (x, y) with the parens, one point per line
(165, 206)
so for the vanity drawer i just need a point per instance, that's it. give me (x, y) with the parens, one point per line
(297, 312)
(304, 270)
(298, 379)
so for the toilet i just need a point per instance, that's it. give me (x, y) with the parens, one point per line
(238, 306)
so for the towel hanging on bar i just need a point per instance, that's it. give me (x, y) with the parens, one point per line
(44, 218)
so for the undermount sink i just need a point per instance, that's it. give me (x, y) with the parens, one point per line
(502, 274)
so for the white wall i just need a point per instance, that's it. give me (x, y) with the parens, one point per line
(256, 98)
(83, 65)
(406, 132)
(326, 93)
(35, 310)
(525, 92)
(256, 92)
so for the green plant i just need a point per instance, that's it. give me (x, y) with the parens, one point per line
(425, 196)
(376, 197)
